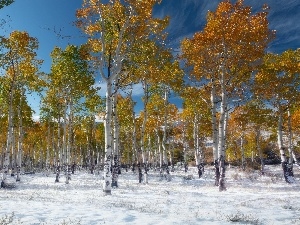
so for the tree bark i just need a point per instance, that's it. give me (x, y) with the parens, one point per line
(287, 171)
(222, 135)
(215, 132)
(108, 139)
(262, 164)
(145, 87)
(116, 163)
(7, 151)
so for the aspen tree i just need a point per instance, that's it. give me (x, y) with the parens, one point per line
(114, 27)
(22, 71)
(224, 55)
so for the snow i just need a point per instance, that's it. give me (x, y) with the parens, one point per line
(249, 199)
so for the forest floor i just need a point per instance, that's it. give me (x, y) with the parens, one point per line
(250, 199)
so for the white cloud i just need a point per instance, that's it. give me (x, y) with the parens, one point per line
(36, 117)
(137, 90)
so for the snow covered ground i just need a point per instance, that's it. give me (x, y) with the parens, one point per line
(249, 199)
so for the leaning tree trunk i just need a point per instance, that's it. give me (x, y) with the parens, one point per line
(287, 171)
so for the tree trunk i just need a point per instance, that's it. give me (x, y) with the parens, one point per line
(48, 148)
(197, 150)
(215, 132)
(243, 151)
(262, 164)
(134, 148)
(164, 140)
(222, 133)
(69, 146)
(7, 151)
(184, 143)
(145, 87)
(116, 130)
(20, 139)
(64, 144)
(58, 162)
(291, 146)
(108, 139)
(287, 171)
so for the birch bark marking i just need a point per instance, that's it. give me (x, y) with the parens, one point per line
(114, 67)
(145, 87)
(108, 139)
(215, 131)
(9, 132)
(222, 129)
(20, 138)
(58, 162)
(243, 151)
(286, 172)
(292, 155)
(262, 164)
(164, 141)
(134, 148)
(69, 144)
(64, 147)
(116, 165)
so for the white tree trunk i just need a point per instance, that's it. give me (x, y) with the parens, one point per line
(164, 141)
(287, 171)
(58, 162)
(196, 141)
(20, 140)
(48, 148)
(69, 144)
(145, 87)
(64, 144)
(134, 148)
(116, 130)
(243, 151)
(213, 99)
(262, 164)
(292, 155)
(108, 139)
(7, 152)
(184, 144)
(222, 133)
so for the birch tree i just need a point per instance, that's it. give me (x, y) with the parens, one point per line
(70, 81)
(224, 54)
(22, 71)
(112, 28)
(196, 108)
(281, 72)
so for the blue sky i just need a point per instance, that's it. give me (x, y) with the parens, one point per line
(50, 20)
